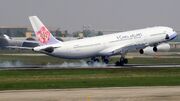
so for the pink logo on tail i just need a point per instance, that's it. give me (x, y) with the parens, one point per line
(43, 35)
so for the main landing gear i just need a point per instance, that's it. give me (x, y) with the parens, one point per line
(92, 61)
(96, 60)
(121, 61)
(105, 60)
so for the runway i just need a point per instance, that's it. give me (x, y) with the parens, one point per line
(65, 64)
(170, 93)
(81, 66)
(151, 65)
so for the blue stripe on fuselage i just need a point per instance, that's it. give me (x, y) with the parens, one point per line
(173, 36)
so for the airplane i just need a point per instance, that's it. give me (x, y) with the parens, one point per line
(145, 41)
(8, 42)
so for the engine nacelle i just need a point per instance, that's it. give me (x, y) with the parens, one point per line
(43, 49)
(164, 47)
(148, 51)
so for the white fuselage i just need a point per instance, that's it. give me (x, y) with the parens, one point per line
(102, 45)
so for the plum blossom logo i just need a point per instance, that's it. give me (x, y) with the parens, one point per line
(43, 35)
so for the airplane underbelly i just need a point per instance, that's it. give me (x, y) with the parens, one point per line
(76, 53)
(83, 53)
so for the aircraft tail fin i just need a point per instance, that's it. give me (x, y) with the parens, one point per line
(42, 33)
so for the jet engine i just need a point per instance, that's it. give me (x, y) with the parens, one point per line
(164, 47)
(43, 49)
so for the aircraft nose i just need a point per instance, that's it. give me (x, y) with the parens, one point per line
(172, 35)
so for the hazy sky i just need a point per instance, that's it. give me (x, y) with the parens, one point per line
(98, 14)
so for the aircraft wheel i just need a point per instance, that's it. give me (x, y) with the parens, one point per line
(106, 61)
(96, 60)
(89, 62)
(119, 63)
(126, 61)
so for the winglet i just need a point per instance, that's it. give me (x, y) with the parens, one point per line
(42, 33)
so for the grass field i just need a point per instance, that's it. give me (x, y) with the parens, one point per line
(87, 78)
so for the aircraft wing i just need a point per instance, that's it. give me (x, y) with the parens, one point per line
(122, 49)
(24, 45)
(18, 47)
(43, 49)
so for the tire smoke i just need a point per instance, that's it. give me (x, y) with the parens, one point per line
(10, 64)
(81, 64)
